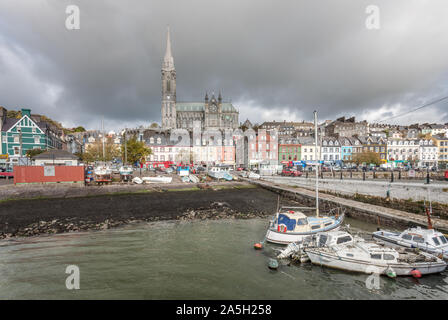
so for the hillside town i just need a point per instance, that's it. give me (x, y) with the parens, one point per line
(209, 133)
(343, 142)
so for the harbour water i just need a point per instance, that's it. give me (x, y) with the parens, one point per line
(184, 260)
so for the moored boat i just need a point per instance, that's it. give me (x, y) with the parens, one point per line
(158, 179)
(428, 240)
(358, 255)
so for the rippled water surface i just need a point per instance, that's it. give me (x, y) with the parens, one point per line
(184, 260)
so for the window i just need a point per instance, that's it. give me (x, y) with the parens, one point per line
(375, 256)
(36, 140)
(418, 239)
(344, 239)
(387, 256)
(349, 255)
(436, 241)
(443, 239)
(16, 139)
(317, 226)
(4, 139)
(406, 237)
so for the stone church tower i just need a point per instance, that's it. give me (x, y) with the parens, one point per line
(168, 87)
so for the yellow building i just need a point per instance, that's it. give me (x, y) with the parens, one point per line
(442, 145)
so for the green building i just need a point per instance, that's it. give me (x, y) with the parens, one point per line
(20, 135)
(289, 150)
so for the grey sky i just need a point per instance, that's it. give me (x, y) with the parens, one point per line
(276, 60)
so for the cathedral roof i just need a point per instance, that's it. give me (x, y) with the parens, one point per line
(200, 106)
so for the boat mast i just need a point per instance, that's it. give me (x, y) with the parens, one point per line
(317, 163)
(104, 153)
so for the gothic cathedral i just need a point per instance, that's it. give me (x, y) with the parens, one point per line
(212, 113)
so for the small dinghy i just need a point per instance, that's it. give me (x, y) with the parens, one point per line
(358, 255)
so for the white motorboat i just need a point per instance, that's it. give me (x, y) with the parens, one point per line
(125, 170)
(428, 240)
(358, 255)
(158, 179)
(290, 224)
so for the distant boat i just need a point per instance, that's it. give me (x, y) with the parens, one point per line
(220, 173)
(194, 178)
(125, 170)
(158, 179)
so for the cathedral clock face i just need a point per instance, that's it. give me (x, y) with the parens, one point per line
(213, 108)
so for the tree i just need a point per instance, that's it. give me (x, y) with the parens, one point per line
(154, 125)
(134, 150)
(79, 129)
(30, 153)
(367, 157)
(94, 151)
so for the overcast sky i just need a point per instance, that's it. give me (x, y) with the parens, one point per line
(275, 60)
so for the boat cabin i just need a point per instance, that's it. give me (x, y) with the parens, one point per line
(334, 238)
(424, 236)
(296, 221)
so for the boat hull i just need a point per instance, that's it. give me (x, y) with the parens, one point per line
(318, 257)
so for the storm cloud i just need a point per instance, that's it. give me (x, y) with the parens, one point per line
(275, 60)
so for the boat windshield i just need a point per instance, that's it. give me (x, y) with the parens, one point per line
(406, 237)
(418, 239)
(436, 241)
(443, 239)
(303, 221)
(343, 239)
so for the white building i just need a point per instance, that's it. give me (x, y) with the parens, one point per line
(331, 149)
(401, 150)
(309, 149)
(428, 153)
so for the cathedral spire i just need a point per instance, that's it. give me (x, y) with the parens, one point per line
(168, 61)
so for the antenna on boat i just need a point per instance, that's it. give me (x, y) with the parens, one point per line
(278, 203)
(429, 212)
(317, 163)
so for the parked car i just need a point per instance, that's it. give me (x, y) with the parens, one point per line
(291, 172)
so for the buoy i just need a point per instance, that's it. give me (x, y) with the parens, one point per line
(416, 273)
(273, 264)
(391, 273)
(258, 246)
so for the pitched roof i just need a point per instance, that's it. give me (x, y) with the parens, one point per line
(55, 154)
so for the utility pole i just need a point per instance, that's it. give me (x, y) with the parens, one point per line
(125, 147)
(104, 149)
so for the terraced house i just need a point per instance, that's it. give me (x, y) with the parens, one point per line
(18, 135)
(289, 150)
(441, 142)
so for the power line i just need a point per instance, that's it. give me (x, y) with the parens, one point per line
(421, 107)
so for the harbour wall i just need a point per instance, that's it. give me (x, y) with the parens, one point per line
(437, 192)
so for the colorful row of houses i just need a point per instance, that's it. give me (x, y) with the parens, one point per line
(253, 148)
